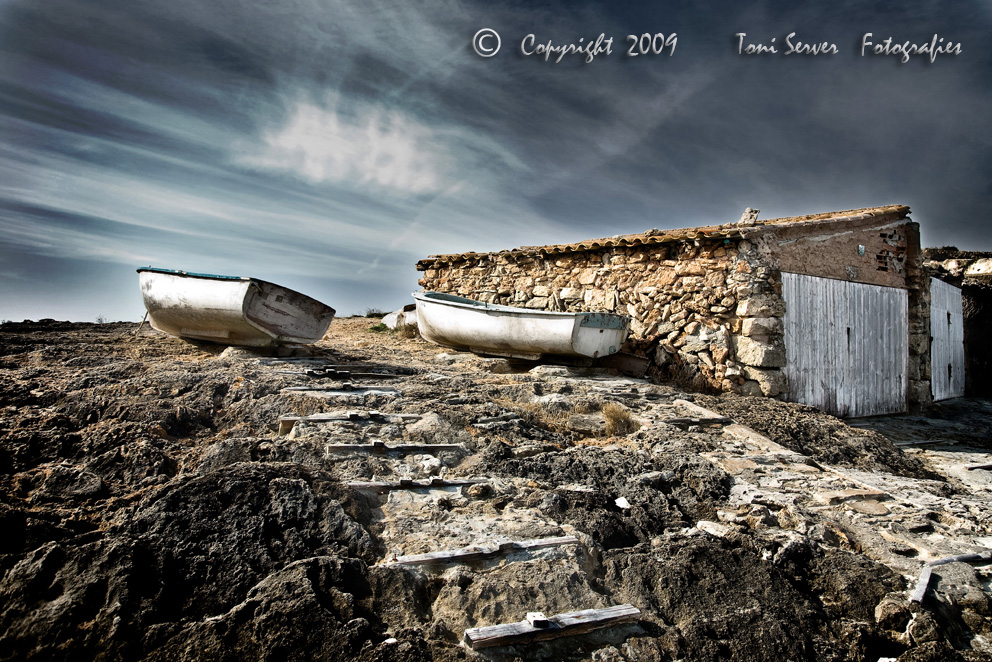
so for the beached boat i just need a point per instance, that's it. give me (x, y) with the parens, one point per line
(231, 310)
(486, 328)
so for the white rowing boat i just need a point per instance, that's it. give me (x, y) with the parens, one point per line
(486, 328)
(231, 310)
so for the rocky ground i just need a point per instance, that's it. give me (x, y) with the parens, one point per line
(153, 507)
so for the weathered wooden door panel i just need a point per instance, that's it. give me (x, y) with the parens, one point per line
(846, 344)
(947, 341)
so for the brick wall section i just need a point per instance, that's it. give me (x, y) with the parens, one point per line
(703, 310)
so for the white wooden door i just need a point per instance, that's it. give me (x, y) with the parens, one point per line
(846, 345)
(947, 341)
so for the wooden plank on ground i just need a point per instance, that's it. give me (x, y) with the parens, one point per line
(925, 442)
(385, 486)
(478, 552)
(344, 388)
(331, 373)
(922, 585)
(321, 364)
(381, 447)
(562, 625)
(686, 422)
(925, 573)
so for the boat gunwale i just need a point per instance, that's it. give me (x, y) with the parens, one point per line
(257, 282)
(189, 274)
(488, 308)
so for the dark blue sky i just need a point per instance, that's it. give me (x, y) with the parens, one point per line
(329, 145)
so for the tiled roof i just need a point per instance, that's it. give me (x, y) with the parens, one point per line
(727, 230)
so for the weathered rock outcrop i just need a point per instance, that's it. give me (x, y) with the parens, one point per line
(152, 511)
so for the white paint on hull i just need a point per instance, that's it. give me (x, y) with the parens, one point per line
(233, 311)
(466, 324)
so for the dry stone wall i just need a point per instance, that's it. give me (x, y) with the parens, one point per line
(706, 312)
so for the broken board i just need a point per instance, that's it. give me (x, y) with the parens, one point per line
(684, 423)
(382, 487)
(478, 552)
(381, 447)
(562, 625)
(343, 389)
(341, 375)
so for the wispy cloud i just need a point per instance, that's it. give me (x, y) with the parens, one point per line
(372, 147)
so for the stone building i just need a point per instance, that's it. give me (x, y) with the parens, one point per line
(829, 309)
(972, 272)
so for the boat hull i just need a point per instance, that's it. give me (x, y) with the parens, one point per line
(466, 324)
(228, 310)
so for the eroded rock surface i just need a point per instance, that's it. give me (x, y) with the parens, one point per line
(151, 509)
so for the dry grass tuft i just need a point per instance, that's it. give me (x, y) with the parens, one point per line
(408, 331)
(586, 407)
(537, 414)
(619, 421)
(686, 377)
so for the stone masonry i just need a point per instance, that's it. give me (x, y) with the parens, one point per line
(705, 303)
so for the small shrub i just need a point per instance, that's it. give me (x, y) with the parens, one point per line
(100, 319)
(374, 313)
(378, 328)
(684, 377)
(619, 422)
(407, 331)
